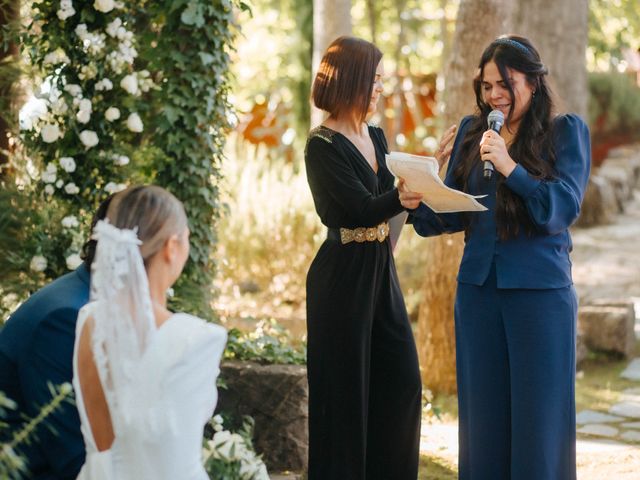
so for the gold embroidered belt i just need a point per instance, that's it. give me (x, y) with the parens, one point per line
(361, 234)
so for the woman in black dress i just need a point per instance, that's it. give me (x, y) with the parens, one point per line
(364, 380)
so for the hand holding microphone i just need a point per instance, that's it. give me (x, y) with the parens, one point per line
(493, 150)
(495, 120)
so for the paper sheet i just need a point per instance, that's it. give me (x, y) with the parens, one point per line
(421, 175)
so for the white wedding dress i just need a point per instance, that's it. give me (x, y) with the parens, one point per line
(175, 392)
(159, 382)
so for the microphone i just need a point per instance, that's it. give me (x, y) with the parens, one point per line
(496, 120)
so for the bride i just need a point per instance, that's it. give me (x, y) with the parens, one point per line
(144, 377)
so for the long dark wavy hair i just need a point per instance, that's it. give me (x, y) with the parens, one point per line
(532, 146)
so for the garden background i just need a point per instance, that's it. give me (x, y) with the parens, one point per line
(210, 100)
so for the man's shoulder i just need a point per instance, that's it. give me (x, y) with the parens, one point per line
(59, 301)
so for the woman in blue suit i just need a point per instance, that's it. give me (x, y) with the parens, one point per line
(516, 308)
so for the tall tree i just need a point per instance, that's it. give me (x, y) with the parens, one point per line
(560, 31)
(478, 22)
(9, 74)
(331, 19)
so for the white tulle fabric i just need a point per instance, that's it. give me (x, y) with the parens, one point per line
(159, 383)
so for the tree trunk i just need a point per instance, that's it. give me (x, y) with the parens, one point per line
(8, 15)
(478, 22)
(559, 30)
(331, 19)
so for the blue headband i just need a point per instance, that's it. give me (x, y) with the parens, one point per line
(513, 43)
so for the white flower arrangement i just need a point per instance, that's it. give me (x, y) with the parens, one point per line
(231, 456)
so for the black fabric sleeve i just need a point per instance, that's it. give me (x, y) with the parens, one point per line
(327, 168)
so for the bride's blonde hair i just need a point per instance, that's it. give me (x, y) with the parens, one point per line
(155, 212)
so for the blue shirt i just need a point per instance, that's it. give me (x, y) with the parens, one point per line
(36, 349)
(535, 261)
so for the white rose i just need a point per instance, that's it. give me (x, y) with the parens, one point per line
(112, 114)
(134, 123)
(104, 84)
(81, 30)
(59, 183)
(71, 188)
(83, 116)
(85, 104)
(122, 160)
(49, 189)
(50, 132)
(59, 107)
(49, 175)
(73, 261)
(38, 263)
(70, 221)
(103, 5)
(68, 164)
(73, 89)
(57, 56)
(113, 187)
(65, 13)
(112, 28)
(130, 84)
(89, 138)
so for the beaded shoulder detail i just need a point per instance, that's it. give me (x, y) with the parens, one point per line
(322, 132)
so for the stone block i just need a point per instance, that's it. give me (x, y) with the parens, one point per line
(276, 396)
(600, 204)
(622, 181)
(608, 328)
(581, 349)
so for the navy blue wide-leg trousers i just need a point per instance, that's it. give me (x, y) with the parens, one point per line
(516, 377)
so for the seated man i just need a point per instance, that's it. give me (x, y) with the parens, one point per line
(36, 350)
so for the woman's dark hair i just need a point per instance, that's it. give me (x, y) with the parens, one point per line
(89, 248)
(344, 82)
(532, 146)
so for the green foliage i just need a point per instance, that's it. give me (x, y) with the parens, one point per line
(614, 104)
(12, 465)
(613, 27)
(269, 343)
(188, 44)
(164, 63)
(72, 149)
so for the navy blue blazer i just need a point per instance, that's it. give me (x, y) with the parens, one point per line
(36, 348)
(535, 261)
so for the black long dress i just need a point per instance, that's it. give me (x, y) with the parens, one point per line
(364, 381)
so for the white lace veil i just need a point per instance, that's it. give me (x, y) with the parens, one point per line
(124, 323)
